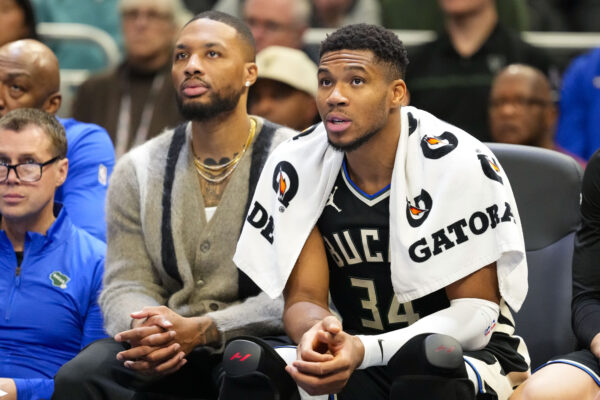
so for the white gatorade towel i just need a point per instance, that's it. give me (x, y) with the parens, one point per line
(452, 210)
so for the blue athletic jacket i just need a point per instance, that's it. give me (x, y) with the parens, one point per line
(579, 117)
(91, 160)
(48, 306)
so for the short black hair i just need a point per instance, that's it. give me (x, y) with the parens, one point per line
(240, 26)
(384, 44)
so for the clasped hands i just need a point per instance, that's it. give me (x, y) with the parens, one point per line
(160, 339)
(327, 357)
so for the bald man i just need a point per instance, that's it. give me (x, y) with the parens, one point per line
(29, 78)
(522, 110)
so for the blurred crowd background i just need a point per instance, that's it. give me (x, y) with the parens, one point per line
(115, 59)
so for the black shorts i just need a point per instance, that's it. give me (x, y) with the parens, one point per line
(585, 360)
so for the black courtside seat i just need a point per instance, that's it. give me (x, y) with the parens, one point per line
(547, 187)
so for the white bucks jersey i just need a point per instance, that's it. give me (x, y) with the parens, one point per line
(355, 230)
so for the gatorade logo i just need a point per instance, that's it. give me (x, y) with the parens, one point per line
(418, 211)
(435, 147)
(285, 183)
(490, 167)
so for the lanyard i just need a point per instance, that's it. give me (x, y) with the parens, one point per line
(124, 121)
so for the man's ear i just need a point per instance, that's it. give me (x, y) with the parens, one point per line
(62, 167)
(52, 103)
(399, 93)
(250, 73)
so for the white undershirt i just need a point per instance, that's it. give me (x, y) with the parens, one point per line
(210, 211)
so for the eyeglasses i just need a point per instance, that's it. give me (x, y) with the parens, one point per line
(268, 25)
(520, 102)
(150, 15)
(26, 172)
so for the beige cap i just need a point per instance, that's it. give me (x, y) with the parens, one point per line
(290, 66)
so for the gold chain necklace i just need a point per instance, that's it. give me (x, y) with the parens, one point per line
(218, 173)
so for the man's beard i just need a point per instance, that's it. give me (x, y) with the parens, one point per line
(356, 143)
(219, 103)
(380, 119)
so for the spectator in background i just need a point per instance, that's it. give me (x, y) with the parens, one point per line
(50, 270)
(29, 77)
(401, 14)
(337, 13)
(277, 22)
(286, 87)
(100, 14)
(134, 101)
(274, 22)
(17, 21)
(451, 76)
(521, 109)
(579, 123)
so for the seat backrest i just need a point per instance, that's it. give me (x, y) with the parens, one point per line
(547, 189)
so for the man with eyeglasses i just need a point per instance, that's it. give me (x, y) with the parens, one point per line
(50, 270)
(522, 110)
(279, 23)
(134, 101)
(29, 77)
(274, 22)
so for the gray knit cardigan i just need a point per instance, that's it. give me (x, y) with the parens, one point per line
(162, 251)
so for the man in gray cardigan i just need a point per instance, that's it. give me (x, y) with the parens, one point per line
(172, 295)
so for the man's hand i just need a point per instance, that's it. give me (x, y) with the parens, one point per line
(161, 338)
(153, 349)
(189, 332)
(327, 356)
(595, 345)
(8, 385)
